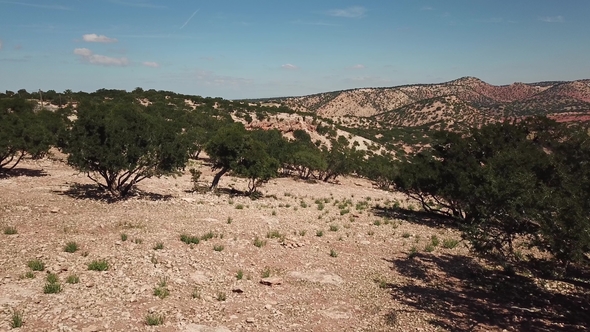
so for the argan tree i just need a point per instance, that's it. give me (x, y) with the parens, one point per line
(24, 131)
(120, 144)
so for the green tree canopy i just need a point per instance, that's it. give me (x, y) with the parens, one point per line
(120, 144)
(24, 131)
(509, 185)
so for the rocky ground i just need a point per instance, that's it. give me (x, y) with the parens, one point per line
(306, 257)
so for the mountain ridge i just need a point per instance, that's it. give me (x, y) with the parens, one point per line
(465, 101)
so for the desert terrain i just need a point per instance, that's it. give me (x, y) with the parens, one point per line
(305, 257)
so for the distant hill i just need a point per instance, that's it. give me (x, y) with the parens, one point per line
(465, 101)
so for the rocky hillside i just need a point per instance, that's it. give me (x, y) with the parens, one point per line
(465, 100)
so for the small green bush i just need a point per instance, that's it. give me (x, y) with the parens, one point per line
(36, 265)
(450, 243)
(16, 320)
(52, 288)
(98, 265)
(189, 239)
(259, 243)
(71, 247)
(73, 279)
(10, 230)
(154, 319)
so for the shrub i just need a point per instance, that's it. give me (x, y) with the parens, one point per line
(154, 319)
(73, 279)
(52, 288)
(450, 243)
(98, 265)
(259, 243)
(36, 265)
(10, 230)
(16, 319)
(71, 247)
(189, 239)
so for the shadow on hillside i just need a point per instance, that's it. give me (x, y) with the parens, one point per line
(17, 172)
(98, 193)
(416, 217)
(466, 297)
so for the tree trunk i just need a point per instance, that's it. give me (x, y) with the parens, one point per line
(217, 177)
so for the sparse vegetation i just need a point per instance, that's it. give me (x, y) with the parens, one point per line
(10, 230)
(259, 243)
(71, 247)
(266, 273)
(158, 246)
(154, 319)
(72, 279)
(123, 237)
(333, 253)
(450, 243)
(218, 248)
(221, 296)
(36, 265)
(16, 319)
(98, 265)
(161, 290)
(239, 274)
(189, 239)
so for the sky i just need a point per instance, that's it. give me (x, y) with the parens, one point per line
(269, 48)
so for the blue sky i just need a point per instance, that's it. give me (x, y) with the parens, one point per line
(267, 48)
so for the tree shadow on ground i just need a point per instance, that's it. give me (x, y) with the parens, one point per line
(416, 217)
(98, 193)
(17, 172)
(464, 296)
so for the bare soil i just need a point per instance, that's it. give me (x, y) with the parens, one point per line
(370, 285)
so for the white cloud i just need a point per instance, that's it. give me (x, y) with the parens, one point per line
(97, 59)
(358, 66)
(552, 19)
(0, 45)
(427, 8)
(350, 12)
(151, 64)
(94, 38)
(289, 66)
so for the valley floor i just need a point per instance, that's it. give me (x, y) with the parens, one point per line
(341, 265)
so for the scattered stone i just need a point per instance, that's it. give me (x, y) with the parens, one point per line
(189, 199)
(238, 290)
(54, 210)
(319, 276)
(335, 314)
(203, 328)
(272, 281)
(250, 320)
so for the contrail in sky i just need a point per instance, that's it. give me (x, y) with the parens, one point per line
(189, 19)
